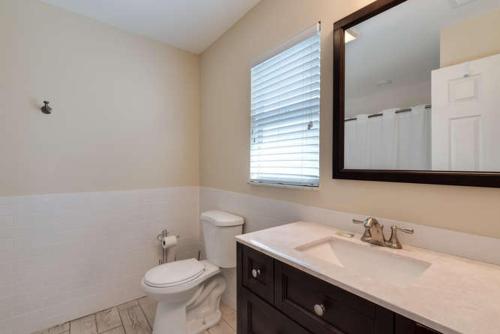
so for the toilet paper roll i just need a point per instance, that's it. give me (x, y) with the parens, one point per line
(168, 242)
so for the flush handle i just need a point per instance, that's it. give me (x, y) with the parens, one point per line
(255, 273)
(319, 310)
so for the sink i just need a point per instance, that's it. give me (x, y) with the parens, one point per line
(366, 260)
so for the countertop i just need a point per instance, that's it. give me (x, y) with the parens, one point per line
(454, 295)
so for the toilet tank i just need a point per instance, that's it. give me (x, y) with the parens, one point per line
(219, 231)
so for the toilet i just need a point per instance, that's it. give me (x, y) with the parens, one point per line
(189, 291)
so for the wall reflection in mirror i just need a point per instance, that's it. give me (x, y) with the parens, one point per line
(422, 88)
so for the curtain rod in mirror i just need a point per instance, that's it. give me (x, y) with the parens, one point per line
(427, 107)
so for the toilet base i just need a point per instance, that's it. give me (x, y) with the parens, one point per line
(201, 312)
(170, 318)
(197, 326)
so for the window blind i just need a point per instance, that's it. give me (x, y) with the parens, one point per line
(285, 105)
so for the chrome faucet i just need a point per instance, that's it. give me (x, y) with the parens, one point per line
(374, 233)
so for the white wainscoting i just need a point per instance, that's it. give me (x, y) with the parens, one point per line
(63, 256)
(261, 213)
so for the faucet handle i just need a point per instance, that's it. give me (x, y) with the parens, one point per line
(403, 229)
(366, 233)
(393, 241)
(368, 222)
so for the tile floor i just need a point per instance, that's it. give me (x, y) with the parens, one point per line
(135, 317)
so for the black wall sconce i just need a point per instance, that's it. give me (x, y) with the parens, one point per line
(46, 109)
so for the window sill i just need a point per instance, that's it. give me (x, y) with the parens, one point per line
(283, 186)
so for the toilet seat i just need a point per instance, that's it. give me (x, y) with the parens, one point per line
(209, 270)
(174, 273)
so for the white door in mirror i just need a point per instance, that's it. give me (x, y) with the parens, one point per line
(466, 116)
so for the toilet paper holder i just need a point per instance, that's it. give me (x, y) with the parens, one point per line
(163, 234)
(160, 238)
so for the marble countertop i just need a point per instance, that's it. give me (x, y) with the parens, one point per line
(454, 295)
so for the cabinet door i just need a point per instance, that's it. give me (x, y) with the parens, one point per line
(407, 326)
(324, 308)
(257, 273)
(257, 317)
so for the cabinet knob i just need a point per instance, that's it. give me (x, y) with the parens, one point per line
(255, 273)
(319, 309)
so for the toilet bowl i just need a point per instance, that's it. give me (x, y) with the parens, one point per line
(181, 289)
(189, 291)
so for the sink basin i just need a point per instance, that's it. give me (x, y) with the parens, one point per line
(366, 260)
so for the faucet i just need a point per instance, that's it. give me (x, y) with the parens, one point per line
(374, 233)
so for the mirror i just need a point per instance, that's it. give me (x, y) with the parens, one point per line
(417, 92)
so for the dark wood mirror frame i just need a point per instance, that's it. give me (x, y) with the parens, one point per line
(481, 179)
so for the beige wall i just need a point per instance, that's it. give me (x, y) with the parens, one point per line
(473, 38)
(225, 112)
(126, 109)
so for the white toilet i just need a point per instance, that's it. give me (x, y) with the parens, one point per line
(189, 291)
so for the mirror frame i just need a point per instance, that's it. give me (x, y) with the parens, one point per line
(481, 179)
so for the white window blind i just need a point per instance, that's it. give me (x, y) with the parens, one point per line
(285, 104)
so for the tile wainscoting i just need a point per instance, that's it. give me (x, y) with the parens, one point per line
(67, 255)
(63, 256)
(261, 213)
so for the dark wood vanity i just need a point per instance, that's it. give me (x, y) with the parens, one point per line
(275, 298)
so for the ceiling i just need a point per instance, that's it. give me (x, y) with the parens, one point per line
(402, 45)
(191, 25)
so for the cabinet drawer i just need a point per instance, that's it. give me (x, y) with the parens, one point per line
(258, 273)
(297, 295)
(257, 317)
(407, 326)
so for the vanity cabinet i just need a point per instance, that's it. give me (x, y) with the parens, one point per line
(274, 297)
(407, 326)
(262, 318)
(259, 274)
(324, 308)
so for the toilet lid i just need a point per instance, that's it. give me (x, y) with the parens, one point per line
(174, 273)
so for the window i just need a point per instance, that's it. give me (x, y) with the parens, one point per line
(285, 104)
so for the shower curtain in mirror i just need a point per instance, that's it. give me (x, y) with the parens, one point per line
(395, 140)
